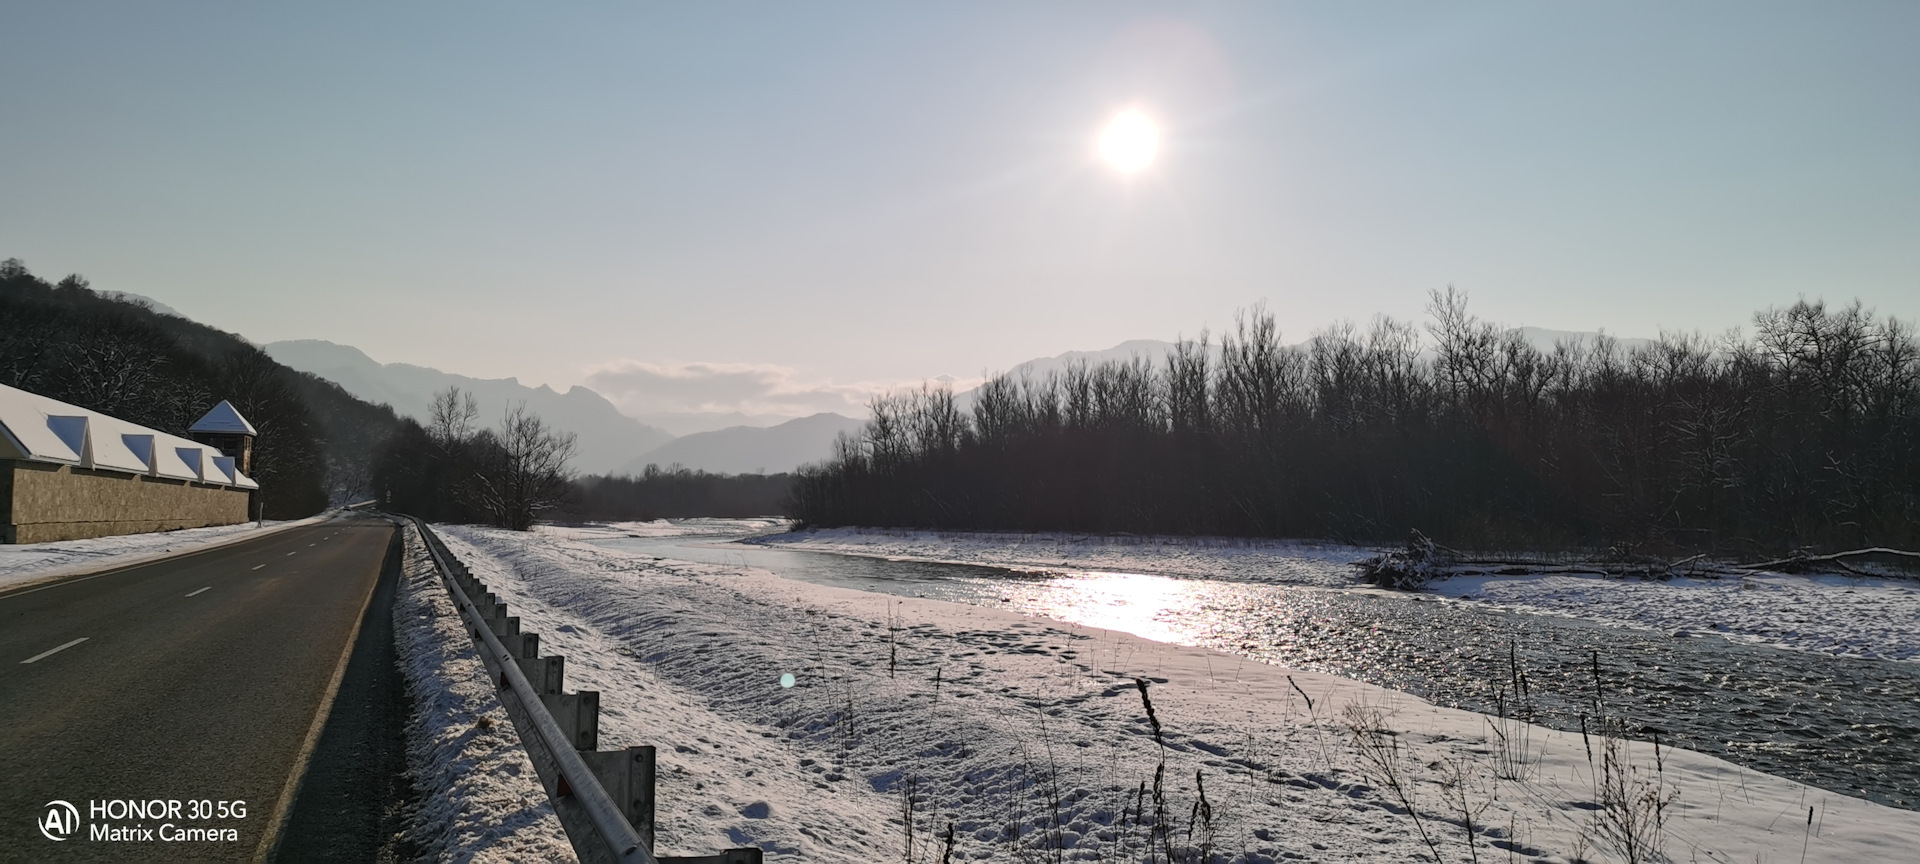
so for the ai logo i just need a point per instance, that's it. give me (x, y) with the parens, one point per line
(62, 820)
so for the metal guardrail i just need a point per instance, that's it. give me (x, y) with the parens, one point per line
(561, 731)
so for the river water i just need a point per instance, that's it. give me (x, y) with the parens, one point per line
(1847, 725)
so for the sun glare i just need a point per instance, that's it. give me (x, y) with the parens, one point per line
(1130, 141)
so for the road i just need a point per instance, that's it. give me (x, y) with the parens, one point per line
(196, 680)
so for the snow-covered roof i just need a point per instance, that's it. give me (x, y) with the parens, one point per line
(223, 419)
(38, 429)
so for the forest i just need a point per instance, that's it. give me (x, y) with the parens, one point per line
(1799, 436)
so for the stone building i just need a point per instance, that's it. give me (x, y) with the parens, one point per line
(67, 473)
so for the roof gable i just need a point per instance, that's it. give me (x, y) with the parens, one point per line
(223, 419)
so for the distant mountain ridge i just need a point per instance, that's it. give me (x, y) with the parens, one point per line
(752, 449)
(607, 438)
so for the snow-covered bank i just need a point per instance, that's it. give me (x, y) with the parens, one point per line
(695, 527)
(42, 562)
(1026, 734)
(1296, 563)
(1875, 618)
(479, 797)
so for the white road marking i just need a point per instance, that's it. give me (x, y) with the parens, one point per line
(258, 566)
(208, 588)
(52, 651)
(293, 553)
(310, 544)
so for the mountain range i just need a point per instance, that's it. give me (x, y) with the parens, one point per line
(607, 439)
(609, 442)
(751, 449)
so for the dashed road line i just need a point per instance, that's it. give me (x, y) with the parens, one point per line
(52, 651)
(208, 588)
(258, 566)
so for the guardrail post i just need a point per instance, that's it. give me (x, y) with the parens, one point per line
(628, 776)
(578, 715)
(544, 673)
(504, 627)
(521, 645)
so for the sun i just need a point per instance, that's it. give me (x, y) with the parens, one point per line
(1130, 141)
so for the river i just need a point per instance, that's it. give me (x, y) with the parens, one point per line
(1847, 725)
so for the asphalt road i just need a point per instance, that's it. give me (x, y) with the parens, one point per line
(199, 681)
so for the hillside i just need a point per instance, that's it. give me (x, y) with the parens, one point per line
(121, 355)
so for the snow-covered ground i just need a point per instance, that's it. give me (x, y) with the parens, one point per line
(906, 716)
(34, 562)
(1876, 618)
(665, 528)
(479, 797)
(1291, 562)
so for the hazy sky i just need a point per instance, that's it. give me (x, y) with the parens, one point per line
(809, 199)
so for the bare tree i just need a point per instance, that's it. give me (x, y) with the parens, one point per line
(451, 417)
(526, 472)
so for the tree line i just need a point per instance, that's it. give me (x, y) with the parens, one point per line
(1802, 435)
(673, 492)
(450, 470)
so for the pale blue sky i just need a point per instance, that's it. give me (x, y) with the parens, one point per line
(836, 195)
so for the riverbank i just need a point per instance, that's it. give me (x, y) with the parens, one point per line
(1031, 735)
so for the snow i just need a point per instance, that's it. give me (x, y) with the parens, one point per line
(1292, 562)
(700, 527)
(25, 563)
(479, 797)
(1866, 617)
(42, 429)
(223, 418)
(997, 721)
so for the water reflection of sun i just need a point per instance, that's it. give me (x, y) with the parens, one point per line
(1129, 602)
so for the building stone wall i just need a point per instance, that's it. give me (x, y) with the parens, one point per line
(43, 502)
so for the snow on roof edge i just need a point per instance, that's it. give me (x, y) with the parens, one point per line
(25, 422)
